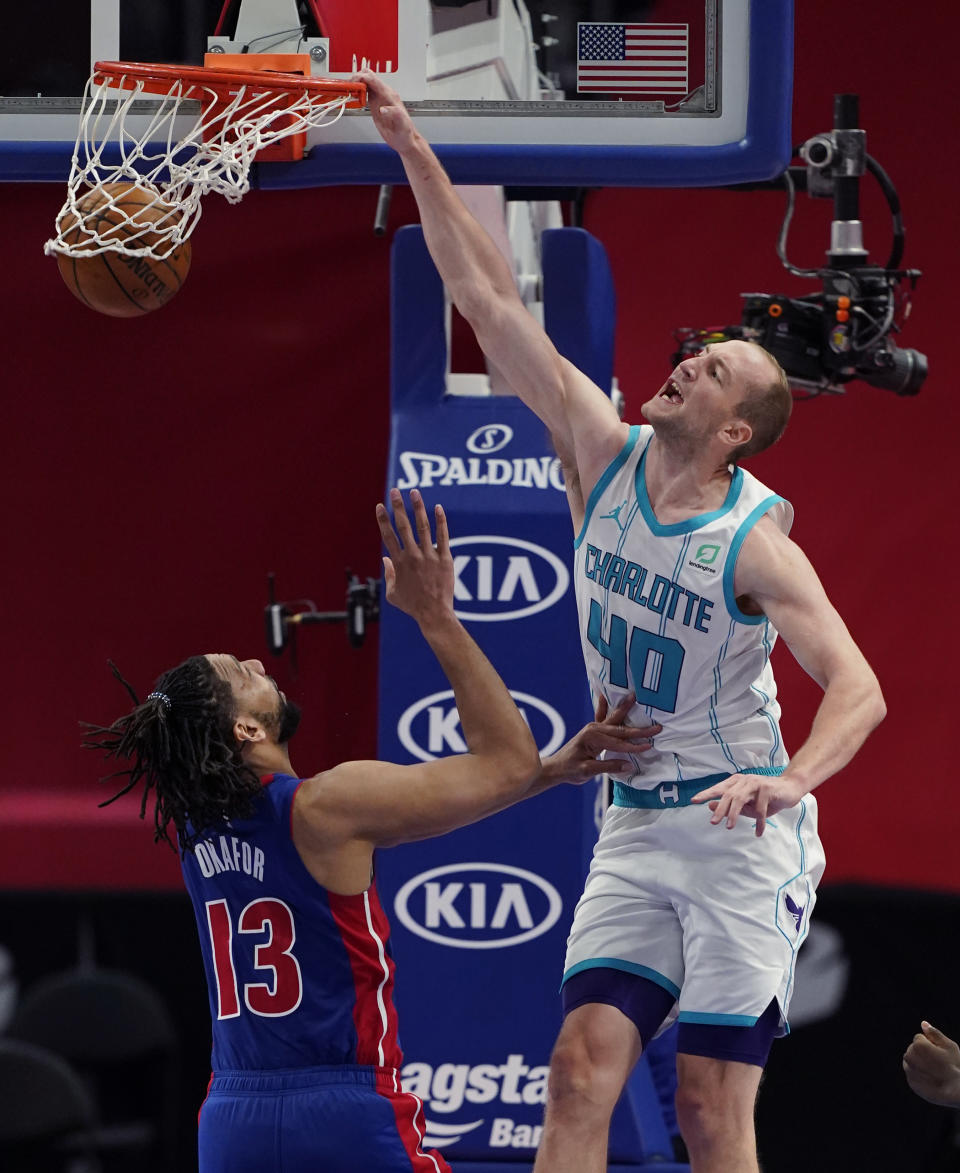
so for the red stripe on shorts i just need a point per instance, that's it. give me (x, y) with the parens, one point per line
(411, 1126)
(205, 1097)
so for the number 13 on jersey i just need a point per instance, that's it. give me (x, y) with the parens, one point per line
(282, 992)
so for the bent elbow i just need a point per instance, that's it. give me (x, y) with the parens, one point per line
(524, 768)
(533, 764)
(516, 773)
(878, 707)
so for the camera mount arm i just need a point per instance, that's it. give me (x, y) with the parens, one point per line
(282, 619)
(846, 330)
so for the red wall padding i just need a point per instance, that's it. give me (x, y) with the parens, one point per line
(156, 469)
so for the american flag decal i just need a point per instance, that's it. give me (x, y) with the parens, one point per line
(641, 58)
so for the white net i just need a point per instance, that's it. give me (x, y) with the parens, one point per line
(138, 192)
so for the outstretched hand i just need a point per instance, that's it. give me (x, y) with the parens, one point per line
(390, 115)
(932, 1067)
(580, 760)
(418, 574)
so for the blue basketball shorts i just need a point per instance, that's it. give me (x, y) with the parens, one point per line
(338, 1119)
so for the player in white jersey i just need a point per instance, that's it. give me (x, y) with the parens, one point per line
(684, 576)
(659, 615)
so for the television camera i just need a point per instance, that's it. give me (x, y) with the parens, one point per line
(846, 330)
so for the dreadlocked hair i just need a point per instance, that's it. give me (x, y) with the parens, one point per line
(179, 742)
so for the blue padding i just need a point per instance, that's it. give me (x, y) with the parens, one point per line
(503, 519)
(34, 162)
(579, 314)
(418, 340)
(25, 162)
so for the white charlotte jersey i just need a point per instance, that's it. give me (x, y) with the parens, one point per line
(658, 615)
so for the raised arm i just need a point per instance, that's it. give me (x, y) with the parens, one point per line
(379, 803)
(340, 816)
(775, 576)
(579, 415)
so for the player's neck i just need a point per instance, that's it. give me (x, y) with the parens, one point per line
(268, 758)
(682, 479)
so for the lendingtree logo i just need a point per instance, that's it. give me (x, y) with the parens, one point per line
(707, 554)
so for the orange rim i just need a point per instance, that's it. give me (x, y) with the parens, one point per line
(157, 79)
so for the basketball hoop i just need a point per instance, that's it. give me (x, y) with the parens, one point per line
(183, 152)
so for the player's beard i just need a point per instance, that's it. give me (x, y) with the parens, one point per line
(288, 721)
(681, 435)
(677, 436)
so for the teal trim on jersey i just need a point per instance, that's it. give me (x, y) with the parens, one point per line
(731, 563)
(651, 799)
(718, 1019)
(625, 967)
(608, 474)
(692, 523)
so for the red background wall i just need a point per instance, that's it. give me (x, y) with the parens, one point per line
(156, 469)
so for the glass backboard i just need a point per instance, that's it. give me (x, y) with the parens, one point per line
(522, 92)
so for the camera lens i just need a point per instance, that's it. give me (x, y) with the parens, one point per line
(818, 151)
(896, 370)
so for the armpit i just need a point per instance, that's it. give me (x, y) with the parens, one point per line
(748, 606)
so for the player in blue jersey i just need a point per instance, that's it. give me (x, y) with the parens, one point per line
(280, 871)
(684, 576)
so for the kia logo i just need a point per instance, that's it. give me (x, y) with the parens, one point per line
(478, 905)
(430, 728)
(489, 438)
(504, 578)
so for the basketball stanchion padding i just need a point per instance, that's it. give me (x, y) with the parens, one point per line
(136, 181)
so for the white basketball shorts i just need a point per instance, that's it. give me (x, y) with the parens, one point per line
(715, 916)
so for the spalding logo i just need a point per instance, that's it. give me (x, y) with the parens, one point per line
(504, 578)
(489, 438)
(478, 905)
(430, 727)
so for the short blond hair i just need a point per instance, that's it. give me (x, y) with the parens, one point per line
(766, 408)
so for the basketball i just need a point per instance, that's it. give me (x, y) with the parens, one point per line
(119, 284)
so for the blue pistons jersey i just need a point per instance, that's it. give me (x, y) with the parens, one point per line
(305, 1052)
(659, 615)
(298, 977)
